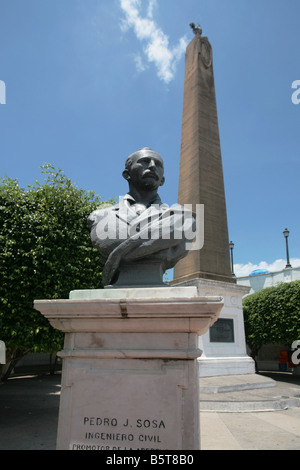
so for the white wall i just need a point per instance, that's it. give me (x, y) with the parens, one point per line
(260, 281)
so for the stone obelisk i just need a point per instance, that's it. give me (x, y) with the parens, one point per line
(201, 171)
(201, 182)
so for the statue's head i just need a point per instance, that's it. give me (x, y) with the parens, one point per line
(144, 169)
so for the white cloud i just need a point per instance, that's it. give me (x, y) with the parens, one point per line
(152, 5)
(245, 269)
(140, 65)
(157, 49)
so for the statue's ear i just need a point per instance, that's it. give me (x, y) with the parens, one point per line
(126, 175)
(162, 181)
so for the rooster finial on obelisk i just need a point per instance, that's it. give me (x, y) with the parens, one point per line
(196, 29)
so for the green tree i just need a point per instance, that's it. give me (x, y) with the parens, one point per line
(272, 315)
(45, 252)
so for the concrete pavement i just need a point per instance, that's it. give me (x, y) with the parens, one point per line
(264, 412)
(251, 392)
(29, 412)
(267, 430)
(250, 412)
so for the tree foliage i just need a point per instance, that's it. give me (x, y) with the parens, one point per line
(272, 315)
(45, 252)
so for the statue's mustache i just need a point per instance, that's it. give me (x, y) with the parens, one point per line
(150, 173)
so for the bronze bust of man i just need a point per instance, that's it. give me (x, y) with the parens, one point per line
(140, 238)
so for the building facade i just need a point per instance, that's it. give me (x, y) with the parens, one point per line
(260, 279)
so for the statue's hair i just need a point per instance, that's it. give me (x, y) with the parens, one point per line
(131, 157)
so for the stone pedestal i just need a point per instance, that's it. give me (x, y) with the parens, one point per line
(224, 346)
(130, 378)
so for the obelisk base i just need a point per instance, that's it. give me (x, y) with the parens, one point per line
(224, 346)
(130, 379)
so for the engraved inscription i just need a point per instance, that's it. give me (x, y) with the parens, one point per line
(104, 433)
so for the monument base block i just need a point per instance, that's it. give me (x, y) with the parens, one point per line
(224, 346)
(130, 377)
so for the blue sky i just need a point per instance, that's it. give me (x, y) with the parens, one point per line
(90, 81)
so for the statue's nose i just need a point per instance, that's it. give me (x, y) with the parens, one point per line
(152, 164)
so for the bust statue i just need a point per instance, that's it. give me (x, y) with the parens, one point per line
(140, 238)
